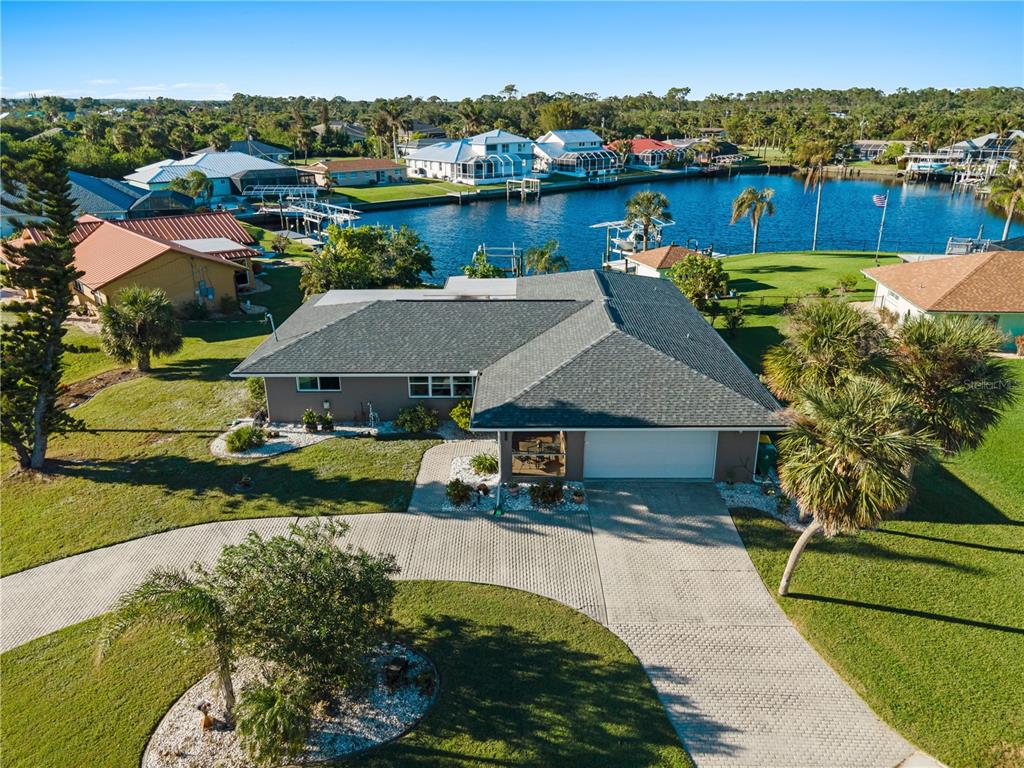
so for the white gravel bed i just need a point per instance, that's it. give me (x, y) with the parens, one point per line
(290, 438)
(751, 495)
(462, 470)
(521, 501)
(351, 725)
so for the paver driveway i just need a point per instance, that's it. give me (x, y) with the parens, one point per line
(659, 563)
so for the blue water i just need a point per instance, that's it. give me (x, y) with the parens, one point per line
(920, 218)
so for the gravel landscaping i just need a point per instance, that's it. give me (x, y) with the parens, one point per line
(752, 496)
(349, 726)
(520, 501)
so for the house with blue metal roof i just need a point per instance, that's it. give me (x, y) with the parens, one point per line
(486, 158)
(575, 152)
(229, 172)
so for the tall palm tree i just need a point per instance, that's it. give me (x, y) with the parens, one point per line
(1007, 190)
(755, 204)
(195, 184)
(543, 259)
(191, 605)
(813, 156)
(393, 116)
(946, 368)
(644, 208)
(826, 343)
(845, 458)
(139, 325)
(471, 115)
(624, 150)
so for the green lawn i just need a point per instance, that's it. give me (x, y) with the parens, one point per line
(924, 616)
(525, 681)
(146, 467)
(765, 282)
(264, 237)
(410, 190)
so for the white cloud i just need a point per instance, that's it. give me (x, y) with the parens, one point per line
(100, 81)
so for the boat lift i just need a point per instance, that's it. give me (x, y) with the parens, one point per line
(624, 239)
(314, 214)
(512, 254)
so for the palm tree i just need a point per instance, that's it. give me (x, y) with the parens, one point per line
(1007, 190)
(141, 324)
(543, 259)
(646, 208)
(827, 342)
(392, 116)
(845, 458)
(813, 156)
(195, 184)
(471, 115)
(191, 605)
(946, 368)
(624, 150)
(754, 204)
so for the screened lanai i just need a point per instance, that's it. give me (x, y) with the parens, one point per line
(587, 161)
(488, 167)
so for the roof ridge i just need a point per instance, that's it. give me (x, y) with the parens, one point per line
(989, 255)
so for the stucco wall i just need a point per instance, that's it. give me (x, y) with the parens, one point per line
(737, 454)
(179, 276)
(388, 394)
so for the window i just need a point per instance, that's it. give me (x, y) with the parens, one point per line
(441, 386)
(318, 384)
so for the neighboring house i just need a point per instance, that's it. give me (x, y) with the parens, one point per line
(357, 172)
(869, 149)
(577, 152)
(582, 374)
(114, 199)
(692, 144)
(647, 153)
(991, 146)
(113, 257)
(654, 262)
(486, 158)
(420, 129)
(255, 148)
(231, 173)
(711, 132)
(354, 131)
(985, 285)
(407, 147)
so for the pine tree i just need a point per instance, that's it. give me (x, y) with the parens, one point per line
(33, 345)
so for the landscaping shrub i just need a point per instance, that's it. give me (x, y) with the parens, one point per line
(846, 283)
(194, 310)
(734, 319)
(461, 413)
(823, 291)
(228, 305)
(257, 394)
(1019, 341)
(310, 419)
(326, 421)
(244, 438)
(417, 419)
(458, 492)
(546, 493)
(484, 464)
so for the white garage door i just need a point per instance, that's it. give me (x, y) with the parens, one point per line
(639, 453)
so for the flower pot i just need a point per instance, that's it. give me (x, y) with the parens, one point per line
(513, 490)
(577, 498)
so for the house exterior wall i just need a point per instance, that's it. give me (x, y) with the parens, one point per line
(362, 178)
(737, 456)
(179, 275)
(388, 394)
(892, 301)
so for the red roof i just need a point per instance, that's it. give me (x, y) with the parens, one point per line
(644, 145)
(190, 226)
(663, 257)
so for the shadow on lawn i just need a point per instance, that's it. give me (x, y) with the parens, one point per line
(303, 490)
(510, 697)
(196, 369)
(942, 497)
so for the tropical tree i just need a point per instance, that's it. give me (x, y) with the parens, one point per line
(542, 259)
(946, 368)
(393, 117)
(754, 204)
(182, 139)
(1007, 190)
(32, 346)
(812, 156)
(481, 267)
(192, 605)
(623, 151)
(646, 208)
(708, 149)
(220, 140)
(827, 343)
(471, 115)
(367, 257)
(701, 278)
(558, 115)
(138, 326)
(274, 719)
(845, 457)
(195, 184)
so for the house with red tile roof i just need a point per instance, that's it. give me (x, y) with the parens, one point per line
(645, 153)
(654, 262)
(987, 285)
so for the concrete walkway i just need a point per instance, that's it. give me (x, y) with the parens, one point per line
(660, 564)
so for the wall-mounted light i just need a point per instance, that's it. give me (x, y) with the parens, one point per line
(327, 405)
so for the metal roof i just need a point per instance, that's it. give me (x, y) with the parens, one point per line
(102, 197)
(216, 165)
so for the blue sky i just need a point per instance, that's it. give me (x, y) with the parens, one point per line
(364, 50)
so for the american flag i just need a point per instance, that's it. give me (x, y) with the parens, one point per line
(880, 200)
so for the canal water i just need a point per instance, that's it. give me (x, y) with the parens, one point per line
(920, 218)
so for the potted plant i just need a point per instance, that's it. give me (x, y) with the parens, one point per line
(577, 496)
(326, 422)
(310, 420)
(512, 487)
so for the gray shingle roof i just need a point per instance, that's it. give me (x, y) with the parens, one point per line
(575, 350)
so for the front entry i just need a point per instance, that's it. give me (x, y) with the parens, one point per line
(637, 453)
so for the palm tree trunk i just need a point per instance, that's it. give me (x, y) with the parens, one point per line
(755, 222)
(143, 360)
(227, 688)
(798, 549)
(1009, 218)
(817, 213)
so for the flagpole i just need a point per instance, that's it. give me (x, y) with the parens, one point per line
(878, 246)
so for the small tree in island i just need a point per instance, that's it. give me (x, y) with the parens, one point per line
(139, 326)
(33, 345)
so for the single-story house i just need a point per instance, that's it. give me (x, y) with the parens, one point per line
(486, 158)
(577, 152)
(991, 146)
(654, 262)
(116, 199)
(255, 148)
(357, 172)
(230, 173)
(646, 153)
(113, 257)
(869, 149)
(589, 374)
(986, 285)
(405, 148)
(353, 131)
(420, 129)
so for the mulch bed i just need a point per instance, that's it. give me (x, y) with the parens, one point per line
(81, 392)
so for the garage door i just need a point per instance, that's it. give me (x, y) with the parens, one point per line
(637, 453)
